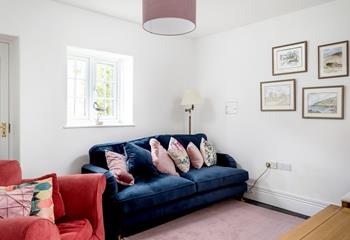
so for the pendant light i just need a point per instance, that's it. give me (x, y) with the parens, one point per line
(169, 17)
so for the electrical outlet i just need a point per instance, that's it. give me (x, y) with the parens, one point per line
(279, 166)
(284, 167)
(272, 165)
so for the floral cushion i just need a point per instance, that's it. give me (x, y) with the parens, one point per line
(42, 203)
(161, 159)
(195, 155)
(208, 152)
(15, 202)
(117, 165)
(179, 155)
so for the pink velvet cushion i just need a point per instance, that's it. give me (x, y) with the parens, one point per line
(15, 202)
(195, 155)
(161, 159)
(117, 165)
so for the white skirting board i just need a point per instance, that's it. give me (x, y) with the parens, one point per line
(286, 201)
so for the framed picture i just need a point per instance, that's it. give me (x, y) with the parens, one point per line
(291, 58)
(278, 95)
(323, 102)
(333, 60)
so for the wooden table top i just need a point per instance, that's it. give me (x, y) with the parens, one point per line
(332, 223)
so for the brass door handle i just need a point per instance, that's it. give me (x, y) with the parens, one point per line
(3, 128)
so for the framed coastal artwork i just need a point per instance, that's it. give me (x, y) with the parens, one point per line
(333, 60)
(323, 102)
(291, 58)
(278, 95)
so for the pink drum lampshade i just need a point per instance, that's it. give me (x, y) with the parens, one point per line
(169, 17)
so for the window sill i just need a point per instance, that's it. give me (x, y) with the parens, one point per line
(107, 125)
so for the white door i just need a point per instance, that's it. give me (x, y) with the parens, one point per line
(4, 101)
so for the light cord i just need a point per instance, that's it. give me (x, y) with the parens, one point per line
(257, 180)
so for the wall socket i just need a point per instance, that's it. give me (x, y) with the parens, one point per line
(279, 166)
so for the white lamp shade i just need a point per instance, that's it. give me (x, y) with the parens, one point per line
(191, 97)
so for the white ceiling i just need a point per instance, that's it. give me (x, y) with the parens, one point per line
(212, 15)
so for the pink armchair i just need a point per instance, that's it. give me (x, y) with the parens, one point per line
(82, 196)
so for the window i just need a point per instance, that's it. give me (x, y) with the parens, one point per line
(99, 88)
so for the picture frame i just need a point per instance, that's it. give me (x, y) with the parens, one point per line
(290, 58)
(325, 102)
(333, 60)
(278, 95)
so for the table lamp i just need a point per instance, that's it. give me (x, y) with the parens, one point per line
(191, 98)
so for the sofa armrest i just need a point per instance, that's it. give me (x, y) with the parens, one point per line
(226, 160)
(82, 197)
(111, 183)
(29, 228)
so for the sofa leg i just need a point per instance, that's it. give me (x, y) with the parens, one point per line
(120, 237)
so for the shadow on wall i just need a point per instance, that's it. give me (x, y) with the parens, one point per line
(78, 163)
(178, 113)
(207, 111)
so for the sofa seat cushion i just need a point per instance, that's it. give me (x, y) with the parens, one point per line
(208, 178)
(146, 193)
(75, 230)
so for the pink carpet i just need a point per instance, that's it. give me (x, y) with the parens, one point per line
(228, 220)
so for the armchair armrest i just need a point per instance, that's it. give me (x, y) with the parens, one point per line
(111, 183)
(226, 160)
(82, 196)
(29, 228)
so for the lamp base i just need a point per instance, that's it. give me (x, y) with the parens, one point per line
(189, 110)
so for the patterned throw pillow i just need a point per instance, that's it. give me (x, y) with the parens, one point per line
(15, 202)
(179, 155)
(42, 203)
(208, 152)
(117, 165)
(58, 204)
(161, 159)
(195, 155)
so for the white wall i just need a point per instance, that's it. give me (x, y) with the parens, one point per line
(230, 66)
(162, 68)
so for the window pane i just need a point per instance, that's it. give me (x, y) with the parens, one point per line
(81, 89)
(70, 88)
(80, 109)
(109, 108)
(70, 107)
(81, 69)
(100, 90)
(70, 68)
(110, 90)
(104, 72)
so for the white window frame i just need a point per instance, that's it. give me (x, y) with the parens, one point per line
(122, 84)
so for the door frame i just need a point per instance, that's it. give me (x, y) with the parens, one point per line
(13, 95)
(4, 98)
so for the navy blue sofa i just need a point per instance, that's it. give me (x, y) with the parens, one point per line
(153, 200)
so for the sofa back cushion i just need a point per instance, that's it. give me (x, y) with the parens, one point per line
(10, 173)
(184, 139)
(97, 152)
